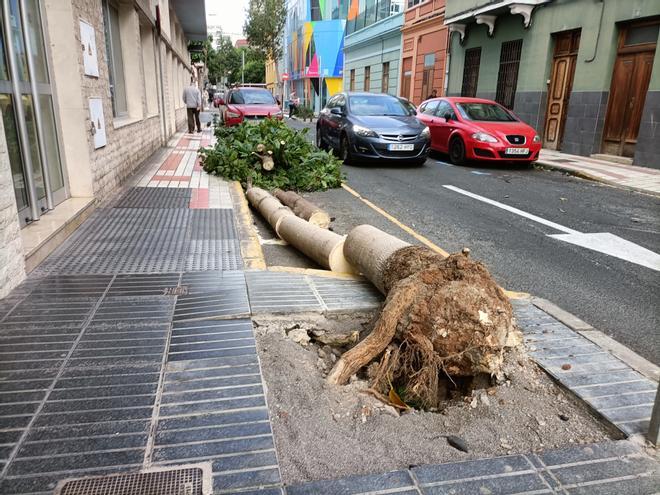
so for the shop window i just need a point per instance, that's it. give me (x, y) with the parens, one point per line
(367, 78)
(507, 77)
(352, 83)
(471, 72)
(115, 59)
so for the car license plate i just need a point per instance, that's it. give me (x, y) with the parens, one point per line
(517, 151)
(400, 147)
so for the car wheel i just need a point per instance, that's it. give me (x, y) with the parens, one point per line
(457, 151)
(344, 150)
(320, 143)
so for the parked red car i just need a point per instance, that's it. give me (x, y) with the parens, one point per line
(247, 103)
(478, 129)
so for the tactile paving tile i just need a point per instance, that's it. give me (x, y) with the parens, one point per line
(155, 197)
(213, 254)
(128, 240)
(150, 240)
(212, 224)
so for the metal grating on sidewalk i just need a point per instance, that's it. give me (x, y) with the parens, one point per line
(278, 292)
(607, 384)
(155, 197)
(188, 481)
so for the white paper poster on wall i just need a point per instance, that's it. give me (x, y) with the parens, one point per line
(98, 123)
(88, 40)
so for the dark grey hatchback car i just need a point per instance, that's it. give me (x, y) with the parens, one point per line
(372, 126)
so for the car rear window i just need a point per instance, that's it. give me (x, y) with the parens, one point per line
(377, 105)
(252, 97)
(485, 112)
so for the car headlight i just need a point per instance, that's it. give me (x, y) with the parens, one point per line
(233, 115)
(363, 131)
(483, 137)
(537, 139)
(426, 132)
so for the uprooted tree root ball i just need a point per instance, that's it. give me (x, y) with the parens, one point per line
(444, 320)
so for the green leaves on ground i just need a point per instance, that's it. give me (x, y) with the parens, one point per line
(299, 165)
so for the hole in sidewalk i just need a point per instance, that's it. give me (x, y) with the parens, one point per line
(520, 412)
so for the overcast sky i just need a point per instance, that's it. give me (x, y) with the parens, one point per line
(230, 14)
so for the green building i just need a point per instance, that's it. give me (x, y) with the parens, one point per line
(584, 73)
(372, 47)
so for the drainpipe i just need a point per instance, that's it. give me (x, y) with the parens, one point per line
(600, 25)
(447, 61)
(160, 75)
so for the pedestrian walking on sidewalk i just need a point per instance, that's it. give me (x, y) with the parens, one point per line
(193, 100)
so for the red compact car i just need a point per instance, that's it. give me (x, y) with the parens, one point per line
(247, 103)
(478, 129)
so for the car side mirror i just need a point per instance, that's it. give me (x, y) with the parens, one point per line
(221, 101)
(336, 111)
(447, 116)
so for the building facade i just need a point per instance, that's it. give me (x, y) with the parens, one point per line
(372, 47)
(313, 54)
(585, 74)
(77, 122)
(424, 50)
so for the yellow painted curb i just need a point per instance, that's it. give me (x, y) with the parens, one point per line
(512, 294)
(314, 271)
(396, 222)
(253, 256)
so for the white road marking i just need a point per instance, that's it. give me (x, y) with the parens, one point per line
(613, 245)
(534, 218)
(603, 242)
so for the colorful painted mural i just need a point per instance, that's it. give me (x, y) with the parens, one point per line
(315, 48)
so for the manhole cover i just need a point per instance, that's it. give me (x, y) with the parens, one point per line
(187, 481)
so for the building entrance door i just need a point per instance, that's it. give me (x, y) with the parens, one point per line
(27, 111)
(559, 90)
(630, 82)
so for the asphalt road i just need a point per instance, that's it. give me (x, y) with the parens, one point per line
(618, 297)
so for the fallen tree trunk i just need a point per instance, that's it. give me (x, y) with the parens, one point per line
(303, 208)
(256, 195)
(443, 318)
(323, 246)
(270, 208)
(368, 249)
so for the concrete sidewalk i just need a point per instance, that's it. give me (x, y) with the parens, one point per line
(641, 179)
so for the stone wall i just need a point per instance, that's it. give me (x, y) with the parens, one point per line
(12, 263)
(647, 151)
(130, 138)
(585, 118)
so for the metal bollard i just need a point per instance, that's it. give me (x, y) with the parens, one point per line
(654, 428)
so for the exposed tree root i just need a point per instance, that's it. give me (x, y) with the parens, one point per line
(444, 318)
